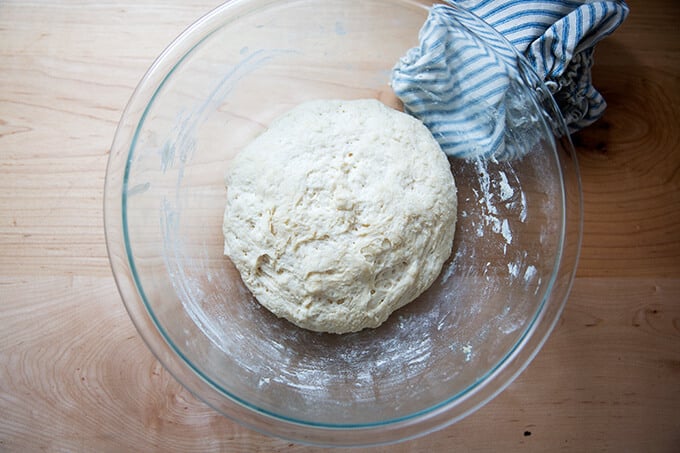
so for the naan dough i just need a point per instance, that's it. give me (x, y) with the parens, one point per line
(339, 214)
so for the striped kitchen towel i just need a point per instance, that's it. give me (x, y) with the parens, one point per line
(465, 83)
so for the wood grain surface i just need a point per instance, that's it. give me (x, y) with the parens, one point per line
(76, 376)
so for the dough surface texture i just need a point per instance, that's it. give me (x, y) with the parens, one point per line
(339, 214)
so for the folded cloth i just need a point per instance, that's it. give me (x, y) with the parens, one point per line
(465, 83)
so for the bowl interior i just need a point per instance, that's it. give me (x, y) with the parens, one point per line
(230, 77)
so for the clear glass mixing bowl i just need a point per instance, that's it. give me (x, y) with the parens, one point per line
(434, 361)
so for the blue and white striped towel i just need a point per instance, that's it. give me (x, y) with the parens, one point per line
(463, 79)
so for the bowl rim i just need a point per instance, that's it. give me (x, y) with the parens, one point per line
(416, 424)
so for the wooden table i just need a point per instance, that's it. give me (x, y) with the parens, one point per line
(76, 376)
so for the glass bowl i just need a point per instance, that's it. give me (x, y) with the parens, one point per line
(434, 361)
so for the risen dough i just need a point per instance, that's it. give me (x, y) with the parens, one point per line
(339, 214)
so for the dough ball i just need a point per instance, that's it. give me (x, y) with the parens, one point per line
(339, 214)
